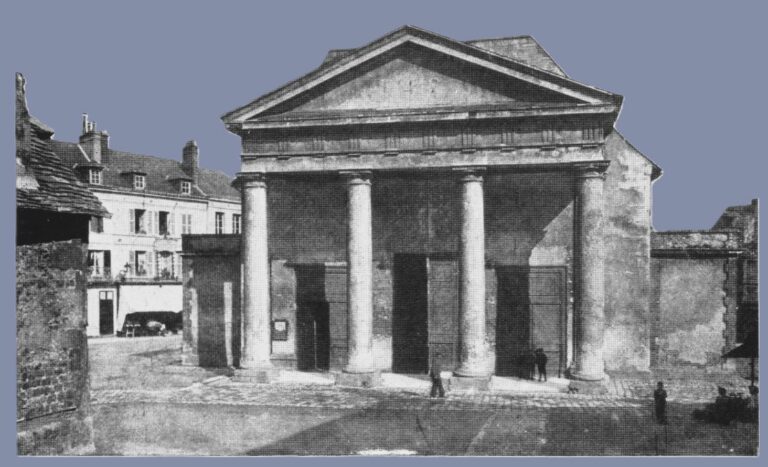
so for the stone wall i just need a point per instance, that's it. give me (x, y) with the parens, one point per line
(52, 396)
(627, 230)
(211, 275)
(693, 301)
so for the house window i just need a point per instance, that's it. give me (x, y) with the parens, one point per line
(186, 188)
(165, 223)
(138, 182)
(141, 264)
(99, 263)
(139, 221)
(166, 267)
(94, 176)
(186, 223)
(96, 224)
(235, 223)
(219, 227)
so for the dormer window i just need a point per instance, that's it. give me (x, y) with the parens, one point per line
(186, 188)
(139, 182)
(94, 176)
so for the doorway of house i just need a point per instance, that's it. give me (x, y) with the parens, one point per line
(530, 314)
(425, 312)
(106, 312)
(313, 336)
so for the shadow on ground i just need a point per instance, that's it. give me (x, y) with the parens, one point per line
(215, 429)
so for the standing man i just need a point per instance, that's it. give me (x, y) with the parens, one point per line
(541, 363)
(435, 371)
(660, 403)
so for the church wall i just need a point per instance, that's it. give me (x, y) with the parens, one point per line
(627, 227)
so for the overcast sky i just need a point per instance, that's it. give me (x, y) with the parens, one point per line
(156, 74)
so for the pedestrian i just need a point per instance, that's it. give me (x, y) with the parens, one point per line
(435, 374)
(541, 363)
(660, 403)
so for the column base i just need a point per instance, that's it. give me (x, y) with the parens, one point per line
(369, 379)
(589, 377)
(470, 383)
(255, 375)
(190, 359)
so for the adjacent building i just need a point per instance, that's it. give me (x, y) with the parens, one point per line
(133, 256)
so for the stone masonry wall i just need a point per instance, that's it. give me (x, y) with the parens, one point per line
(52, 396)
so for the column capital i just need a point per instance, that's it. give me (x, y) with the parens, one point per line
(356, 177)
(590, 169)
(250, 180)
(469, 174)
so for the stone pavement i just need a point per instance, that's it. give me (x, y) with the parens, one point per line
(148, 370)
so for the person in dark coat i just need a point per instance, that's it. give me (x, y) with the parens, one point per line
(540, 359)
(435, 371)
(660, 403)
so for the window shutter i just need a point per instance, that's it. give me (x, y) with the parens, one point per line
(148, 217)
(107, 259)
(132, 227)
(171, 217)
(156, 227)
(150, 263)
(132, 262)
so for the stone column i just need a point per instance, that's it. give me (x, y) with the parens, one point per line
(589, 316)
(255, 256)
(359, 273)
(473, 360)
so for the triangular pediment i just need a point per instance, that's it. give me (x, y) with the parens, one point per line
(414, 69)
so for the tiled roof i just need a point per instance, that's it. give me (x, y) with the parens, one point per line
(162, 175)
(57, 187)
(523, 49)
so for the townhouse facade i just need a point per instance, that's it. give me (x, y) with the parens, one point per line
(133, 257)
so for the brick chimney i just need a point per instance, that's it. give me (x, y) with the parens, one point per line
(94, 143)
(190, 162)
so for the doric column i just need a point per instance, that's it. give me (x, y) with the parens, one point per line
(255, 257)
(473, 361)
(359, 273)
(589, 316)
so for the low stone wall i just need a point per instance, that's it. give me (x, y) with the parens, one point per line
(693, 299)
(52, 397)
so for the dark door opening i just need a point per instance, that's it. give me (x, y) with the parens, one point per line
(106, 317)
(410, 347)
(313, 336)
(530, 314)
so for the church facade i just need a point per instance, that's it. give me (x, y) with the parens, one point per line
(422, 198)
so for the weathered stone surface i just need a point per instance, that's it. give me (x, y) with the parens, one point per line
(52, 390)
(690, 312)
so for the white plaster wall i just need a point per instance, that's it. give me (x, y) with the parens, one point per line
(148, 297)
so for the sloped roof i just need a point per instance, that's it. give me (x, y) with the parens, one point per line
(57, 187)
(44, 181)
(523, 49)
(517, 57)
(161, 174)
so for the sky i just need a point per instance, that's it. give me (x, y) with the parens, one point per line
(156, 74)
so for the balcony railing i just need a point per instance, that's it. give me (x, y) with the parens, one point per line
(105, 274)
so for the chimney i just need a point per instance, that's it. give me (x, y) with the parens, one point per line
(190, 162)
(94, 143)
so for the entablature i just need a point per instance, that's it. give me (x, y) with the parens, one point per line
(465, 135)
(415, 161)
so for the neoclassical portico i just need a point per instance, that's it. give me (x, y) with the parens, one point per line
(362, 118)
